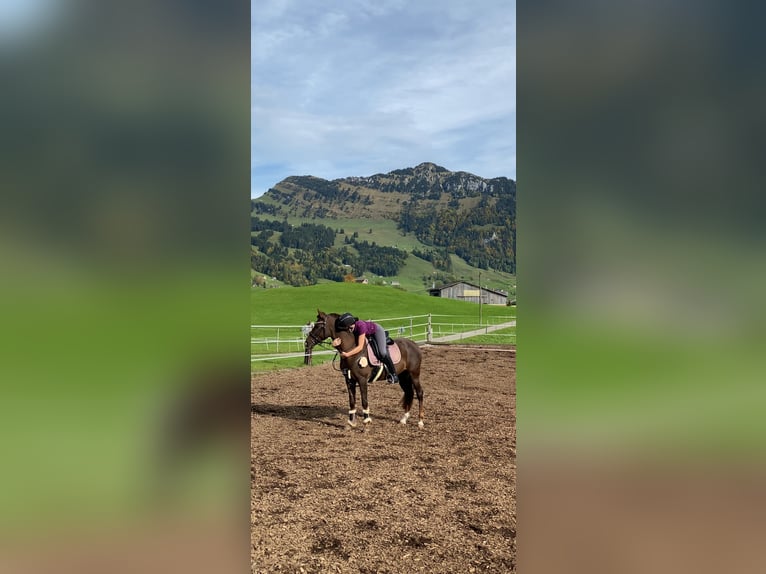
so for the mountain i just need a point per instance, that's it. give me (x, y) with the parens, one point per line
(447, 212)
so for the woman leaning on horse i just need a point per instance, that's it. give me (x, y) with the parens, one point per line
(363, 330)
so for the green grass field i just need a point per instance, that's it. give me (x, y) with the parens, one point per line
(285, 310)
(499, 337)
(296, 305)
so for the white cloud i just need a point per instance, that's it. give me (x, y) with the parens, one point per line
(382, 86)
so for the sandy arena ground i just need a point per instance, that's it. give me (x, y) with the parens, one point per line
(389, 498)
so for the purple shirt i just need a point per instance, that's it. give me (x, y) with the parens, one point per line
(364, 328)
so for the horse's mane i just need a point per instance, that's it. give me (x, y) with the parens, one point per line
(330, 318)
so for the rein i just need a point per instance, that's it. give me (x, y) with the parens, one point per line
(316, 340)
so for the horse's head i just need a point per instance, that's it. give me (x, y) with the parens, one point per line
(324, 328)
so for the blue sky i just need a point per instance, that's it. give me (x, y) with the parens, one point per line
(357, 87)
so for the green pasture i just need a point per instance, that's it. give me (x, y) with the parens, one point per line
(382, 231)
(412, 272)
(297, 305)
(287, 309)
(499, 337)
(489, 278)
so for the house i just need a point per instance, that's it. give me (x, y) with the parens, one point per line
(361, 280)
(464, 291)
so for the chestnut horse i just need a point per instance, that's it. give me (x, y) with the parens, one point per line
(357, 370)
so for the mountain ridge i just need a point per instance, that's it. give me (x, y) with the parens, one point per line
(448, 212)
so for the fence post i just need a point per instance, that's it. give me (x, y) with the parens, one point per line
(429, 331)
(277, 339)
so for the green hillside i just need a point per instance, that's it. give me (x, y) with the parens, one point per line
(417, 274)
(306, 229)
(297, 305)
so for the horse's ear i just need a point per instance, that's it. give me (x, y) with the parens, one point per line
(320, 314)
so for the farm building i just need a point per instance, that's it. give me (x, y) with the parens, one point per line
(469, 292)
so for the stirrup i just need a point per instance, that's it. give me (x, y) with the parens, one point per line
(376, 376)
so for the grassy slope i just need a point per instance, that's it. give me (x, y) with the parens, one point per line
(384, 232)
(295, 306)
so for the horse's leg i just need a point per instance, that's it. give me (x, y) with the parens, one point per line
(351, 386)
(414, 359)
(366, 419)
(405, 382)
(420, 394)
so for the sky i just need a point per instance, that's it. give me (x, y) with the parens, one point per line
(345, 88)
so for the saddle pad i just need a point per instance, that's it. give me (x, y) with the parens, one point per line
(393, 352)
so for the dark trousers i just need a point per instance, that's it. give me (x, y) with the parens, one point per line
(378, 341)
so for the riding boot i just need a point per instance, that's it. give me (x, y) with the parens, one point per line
(393, 377)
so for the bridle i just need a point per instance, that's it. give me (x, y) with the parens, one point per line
(313, 338)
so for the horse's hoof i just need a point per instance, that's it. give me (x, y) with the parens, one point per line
(367, 421)
(421, 424)
(402, 421)
(351, 424)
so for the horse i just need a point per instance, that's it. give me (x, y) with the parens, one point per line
(357, 370)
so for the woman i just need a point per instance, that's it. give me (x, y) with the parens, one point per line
(362, 330)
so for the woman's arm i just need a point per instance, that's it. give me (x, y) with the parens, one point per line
(359, 346)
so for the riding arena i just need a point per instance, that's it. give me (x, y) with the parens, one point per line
(387, 497)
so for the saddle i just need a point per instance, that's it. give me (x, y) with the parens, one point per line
(393, 352)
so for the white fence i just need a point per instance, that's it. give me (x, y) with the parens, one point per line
(276, 342)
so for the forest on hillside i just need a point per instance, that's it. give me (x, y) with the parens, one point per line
(301, 255)
(449, 213)
(484, 236)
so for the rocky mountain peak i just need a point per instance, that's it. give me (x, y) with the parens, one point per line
(428, 168)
